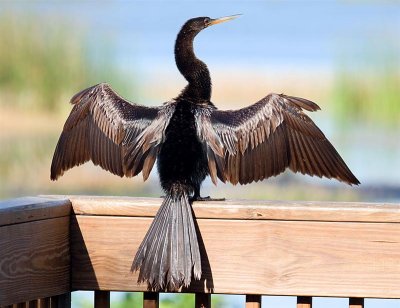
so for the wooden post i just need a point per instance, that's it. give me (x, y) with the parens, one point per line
(61, 301)
(101, 299)
(253, 301)
(304, 302)
(44, 302)
(202, 300)
(33, 304)
(151, 299)
(356, 302)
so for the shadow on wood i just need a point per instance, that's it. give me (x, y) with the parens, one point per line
(81, 264)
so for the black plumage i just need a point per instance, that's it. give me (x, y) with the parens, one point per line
(191, 139)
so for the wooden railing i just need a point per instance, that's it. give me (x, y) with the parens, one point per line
(52, 245)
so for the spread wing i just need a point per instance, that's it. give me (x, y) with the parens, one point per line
(121, 137)
(264, 139)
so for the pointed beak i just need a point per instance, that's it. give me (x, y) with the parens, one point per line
(222, 19)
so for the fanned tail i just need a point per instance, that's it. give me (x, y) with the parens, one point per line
(170, 250)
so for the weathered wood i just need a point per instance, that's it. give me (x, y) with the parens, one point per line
(242, 209)
(101, 299)
(304, 302)
(343, 259)
(34, 260)
(253, 301)
(355, 302)
(27, 209)
(202, 300)
(151, 299)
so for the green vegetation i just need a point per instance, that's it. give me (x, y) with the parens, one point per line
(374, 99)
(128, 300)
(41, 65)
(369, 90)
(179, 300)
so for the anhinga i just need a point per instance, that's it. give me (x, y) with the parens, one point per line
(191, 139)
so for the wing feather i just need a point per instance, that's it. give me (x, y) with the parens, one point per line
(105, 128)
(264, 139)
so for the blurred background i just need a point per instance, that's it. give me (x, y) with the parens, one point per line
(343, 55)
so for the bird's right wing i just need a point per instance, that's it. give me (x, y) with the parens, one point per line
(121, 137)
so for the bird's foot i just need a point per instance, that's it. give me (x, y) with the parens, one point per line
(198, 198)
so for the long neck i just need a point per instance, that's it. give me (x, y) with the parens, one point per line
(194, 70)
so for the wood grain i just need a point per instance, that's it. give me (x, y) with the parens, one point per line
(34, 260)
(343, 259)
(32, 208)
(242, 209)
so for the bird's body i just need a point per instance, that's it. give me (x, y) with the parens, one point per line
(182, 158)
(191, 139)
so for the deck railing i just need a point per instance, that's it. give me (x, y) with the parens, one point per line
(52, 245)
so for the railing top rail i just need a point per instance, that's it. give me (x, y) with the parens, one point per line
(27, 209)
(242, 209)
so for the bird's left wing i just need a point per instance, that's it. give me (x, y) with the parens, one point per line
(117, 135)
(264, 139)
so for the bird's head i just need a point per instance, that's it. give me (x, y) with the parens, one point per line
(199, 23)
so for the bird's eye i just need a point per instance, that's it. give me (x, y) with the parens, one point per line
(206, 20)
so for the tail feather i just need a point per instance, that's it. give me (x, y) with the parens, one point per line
(170, 251)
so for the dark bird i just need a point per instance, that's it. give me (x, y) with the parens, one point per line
(191, 139)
